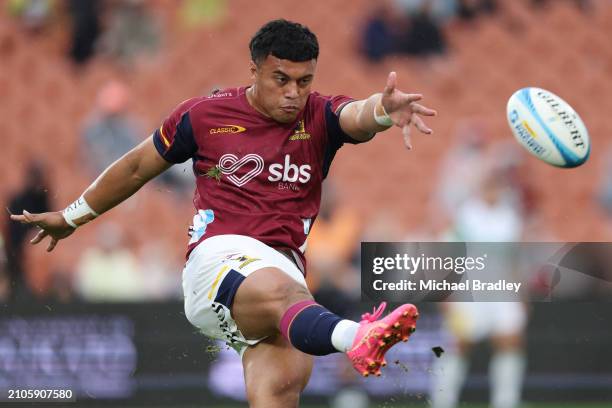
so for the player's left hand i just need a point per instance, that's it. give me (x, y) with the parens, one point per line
(50, 224)
(404, 110)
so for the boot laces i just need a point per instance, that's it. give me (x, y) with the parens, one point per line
(376, 313)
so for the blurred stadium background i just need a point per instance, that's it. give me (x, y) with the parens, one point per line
(82, 81)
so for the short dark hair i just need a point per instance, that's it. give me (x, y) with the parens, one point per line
(285, 40)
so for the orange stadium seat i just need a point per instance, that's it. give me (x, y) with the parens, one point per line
(44, 102)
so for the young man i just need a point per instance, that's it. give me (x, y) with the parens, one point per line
(260, 155)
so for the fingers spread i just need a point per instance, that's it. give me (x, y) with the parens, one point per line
(30, 218)
(406, 134)
(391, 83)
(34, 219)
(411, 98)
(39, 237)
(52, 244)
(422, 110)
(20, 218)
(418, 122)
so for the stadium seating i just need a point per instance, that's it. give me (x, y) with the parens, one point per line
(45, 99)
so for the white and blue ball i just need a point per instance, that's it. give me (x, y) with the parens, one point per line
(548, 127)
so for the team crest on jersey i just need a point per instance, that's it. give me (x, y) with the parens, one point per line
(300, 132)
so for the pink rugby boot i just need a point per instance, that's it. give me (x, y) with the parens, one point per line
(375, 337)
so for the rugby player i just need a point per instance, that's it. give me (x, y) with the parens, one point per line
(260, 154)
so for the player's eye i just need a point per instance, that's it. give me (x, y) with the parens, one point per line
(305, 81)
(281, 80)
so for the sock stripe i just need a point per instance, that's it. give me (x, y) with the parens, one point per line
(291, 313)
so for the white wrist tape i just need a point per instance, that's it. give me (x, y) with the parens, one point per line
(79, 213)
(383, 120)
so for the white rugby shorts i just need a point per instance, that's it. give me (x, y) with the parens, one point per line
(475, 321)
(214, 271)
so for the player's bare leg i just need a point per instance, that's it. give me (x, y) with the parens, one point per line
(506, 370)
(262, 299)
(269, 301)
(285, 369)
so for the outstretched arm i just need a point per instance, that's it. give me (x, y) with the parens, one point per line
(119, 181)
(364, 118)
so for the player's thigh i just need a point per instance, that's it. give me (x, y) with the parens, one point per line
(216, 271)
(508, 333)
(275, 373)
(262, 299)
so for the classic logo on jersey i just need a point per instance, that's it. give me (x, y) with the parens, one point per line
(227, 129)
(300, 132)
(286, 172)
(230, 164)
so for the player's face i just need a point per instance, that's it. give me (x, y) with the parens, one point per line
(281, 87)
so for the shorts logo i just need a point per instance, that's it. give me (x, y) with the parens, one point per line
(230, 164)
(230, 331)
(227, 129)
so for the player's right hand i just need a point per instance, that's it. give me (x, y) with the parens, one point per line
(51, 224)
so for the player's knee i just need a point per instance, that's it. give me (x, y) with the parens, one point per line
(289, 291)
(286, 293)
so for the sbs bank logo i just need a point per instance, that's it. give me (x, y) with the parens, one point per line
(230, 164)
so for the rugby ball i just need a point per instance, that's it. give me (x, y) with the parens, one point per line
(548, 127)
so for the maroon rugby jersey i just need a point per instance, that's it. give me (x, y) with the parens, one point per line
(254, 176)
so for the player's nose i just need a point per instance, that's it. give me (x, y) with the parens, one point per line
(291, 91)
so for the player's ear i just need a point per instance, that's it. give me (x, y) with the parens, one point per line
(253, 69)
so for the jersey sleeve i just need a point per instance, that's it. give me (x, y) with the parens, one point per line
(174, 139)
(336, 136)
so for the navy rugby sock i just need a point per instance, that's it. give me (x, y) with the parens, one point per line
(309, 326)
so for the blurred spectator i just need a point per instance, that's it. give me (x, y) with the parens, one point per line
(605, 188)
(440, 10)
(131, 31)
(330, 246)
(402, 28)
(109, 131)
(85, 28)
(61, 289)
(423, 36)
(469, 10)
(584, 5)
(34, 14)
(378, 39)
(34, 198)
(492, 214)
(195, 13)
(163, 271)
(109, 272)
(462, 167)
